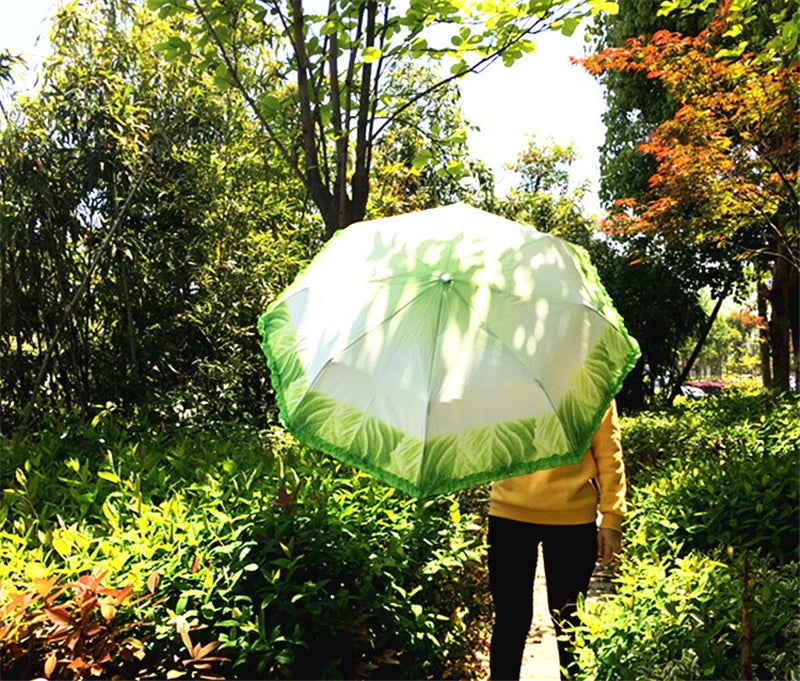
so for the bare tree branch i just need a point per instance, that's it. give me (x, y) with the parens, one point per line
(234, 74)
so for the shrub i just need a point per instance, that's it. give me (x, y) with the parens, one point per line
(298, 565)
(718, 474)
(714, 482)
(681, 619)
(70, 630)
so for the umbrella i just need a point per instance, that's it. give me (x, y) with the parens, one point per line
(446, 348)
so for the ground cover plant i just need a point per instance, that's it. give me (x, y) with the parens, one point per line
(239, 555)
(708, 586)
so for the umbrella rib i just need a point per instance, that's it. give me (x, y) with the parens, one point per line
(435, 353)
(519, 360)
(363, 334)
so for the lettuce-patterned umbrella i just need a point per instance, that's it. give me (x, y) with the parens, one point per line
(445, 348)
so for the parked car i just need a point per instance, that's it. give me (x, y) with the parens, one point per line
(692, 392)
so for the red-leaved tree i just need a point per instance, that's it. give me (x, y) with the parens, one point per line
(727, 161)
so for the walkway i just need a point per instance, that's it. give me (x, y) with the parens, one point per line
(540, 660)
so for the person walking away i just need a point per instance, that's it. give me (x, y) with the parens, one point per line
(575, 512)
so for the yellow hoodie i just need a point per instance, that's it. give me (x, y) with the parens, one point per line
(570, 495)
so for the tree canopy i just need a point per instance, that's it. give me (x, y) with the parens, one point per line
(334, 65)
(725, 163)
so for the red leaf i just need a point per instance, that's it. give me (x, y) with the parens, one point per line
(72, 641)
(77, 663)
(206, 649)
(59, 616)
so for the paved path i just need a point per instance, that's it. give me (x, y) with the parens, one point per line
(540, 660)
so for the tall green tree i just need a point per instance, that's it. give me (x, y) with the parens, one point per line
(143, 224)
(333, 63)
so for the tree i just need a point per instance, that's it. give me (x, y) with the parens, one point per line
(541, 196)
(422, 160)
(730, 346)
(143, 226)
(332, 64)
(727, 160)
(634, 104)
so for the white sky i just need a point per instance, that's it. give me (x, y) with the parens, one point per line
(542, 94)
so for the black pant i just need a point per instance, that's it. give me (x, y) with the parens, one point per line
(570, 554)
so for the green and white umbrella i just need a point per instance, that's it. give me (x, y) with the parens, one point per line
(446, 348)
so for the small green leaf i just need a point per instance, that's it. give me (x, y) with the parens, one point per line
(418, 47)
(270, 104)
(111, 477)
(459, 68)
(371, 54)
(221, 79)
(604, 6)
(61, 546)
(421, 159)
(569, 25)
(733, 53)
(456, 168)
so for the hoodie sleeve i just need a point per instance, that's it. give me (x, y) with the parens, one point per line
(607, 452)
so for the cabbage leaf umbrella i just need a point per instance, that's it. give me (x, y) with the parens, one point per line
(446, 348)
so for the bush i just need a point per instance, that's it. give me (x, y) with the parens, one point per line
(67, 635)
(295, 564)
(681, 619)
(714, 483)
(721, 473)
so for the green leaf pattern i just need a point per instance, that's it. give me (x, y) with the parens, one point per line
(472, 456)
(456, 461)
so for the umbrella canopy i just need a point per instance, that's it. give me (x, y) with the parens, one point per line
(446, 348)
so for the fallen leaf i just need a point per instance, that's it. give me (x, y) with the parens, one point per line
(50, 665)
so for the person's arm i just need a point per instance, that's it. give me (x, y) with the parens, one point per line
(607, 452)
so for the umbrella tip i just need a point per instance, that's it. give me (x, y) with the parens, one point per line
(445, 277)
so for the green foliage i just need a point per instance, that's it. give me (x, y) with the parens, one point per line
(7, 62)
(635, 105)
(175, 278)
(768, 29)
(714, 482)
(755, 463)
(272, 550)
(337, 68)
(681, 619)
(420, 161)
(731, 348)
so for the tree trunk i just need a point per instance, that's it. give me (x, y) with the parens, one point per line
(631, 397)
(763, 336)
(779, 321)
(676, 387)
(794, 323)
